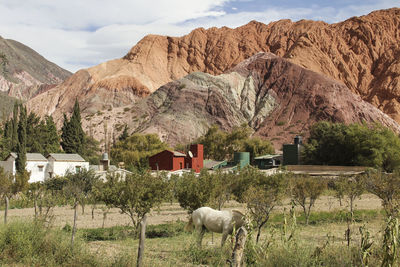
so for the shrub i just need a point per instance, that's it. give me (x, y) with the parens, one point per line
(32, 244)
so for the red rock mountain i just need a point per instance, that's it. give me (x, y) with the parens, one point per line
(27, 73)
(276, 97)
(361, 52)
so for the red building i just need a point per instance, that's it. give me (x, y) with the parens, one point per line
(173, 160)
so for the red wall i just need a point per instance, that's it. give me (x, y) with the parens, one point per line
(166, 160)
(195, 163)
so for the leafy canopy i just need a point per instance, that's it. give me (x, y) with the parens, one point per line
(136, 149)
(352, 145)
(220, 145)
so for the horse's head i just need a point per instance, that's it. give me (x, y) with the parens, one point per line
(239, 218)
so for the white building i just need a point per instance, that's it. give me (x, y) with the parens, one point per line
(42, 168)
(35, 164)
(59, 164)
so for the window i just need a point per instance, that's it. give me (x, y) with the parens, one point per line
(77, 168)
(180, 165)
(40, 167)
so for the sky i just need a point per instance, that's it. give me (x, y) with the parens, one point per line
(78, 34)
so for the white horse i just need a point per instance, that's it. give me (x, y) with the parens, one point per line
(215, 221)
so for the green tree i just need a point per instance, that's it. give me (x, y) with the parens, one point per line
(124, 134)
(51, 138)
(21, 147)
(354, 144)
(261, 195)
(305, 191)
(387, 188)
(214, 143)
(351, 188)
(135, 195)
(220, 145)
(193, 192)
(78, 186)
(91, 150)
(221, 189)
(258, 147)
(14, 127)
(3, 63)
(136, 150)
(34, 133)
(6, 183)
(72, 136)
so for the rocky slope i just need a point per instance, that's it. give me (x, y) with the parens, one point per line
(27, 72)
(276, 97)
(362, 52)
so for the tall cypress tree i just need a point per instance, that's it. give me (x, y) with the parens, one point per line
(52, 143)
(73, 137)
(14, 126)
(21, 147)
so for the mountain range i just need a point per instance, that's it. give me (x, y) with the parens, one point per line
(179, 86)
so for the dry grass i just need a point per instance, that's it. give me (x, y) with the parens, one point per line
(171, 251)
(172, 212)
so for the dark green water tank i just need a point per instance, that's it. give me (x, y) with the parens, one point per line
(241, 158)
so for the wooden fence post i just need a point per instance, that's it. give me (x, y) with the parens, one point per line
(141, 241)
(237, 254)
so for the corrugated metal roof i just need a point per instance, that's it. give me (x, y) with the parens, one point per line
(208, 164)
(178, 154)
(35, 157)
(268, 156)
(29, 156)
(65, 157)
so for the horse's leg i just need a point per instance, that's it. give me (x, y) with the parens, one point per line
(201, 234)
(224, 236)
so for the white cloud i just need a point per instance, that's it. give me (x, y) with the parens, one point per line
(79, 34)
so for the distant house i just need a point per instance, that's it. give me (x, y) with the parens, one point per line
(268, 161)
(169, 160)
(60, 164)
(36, 164)
(105, 168)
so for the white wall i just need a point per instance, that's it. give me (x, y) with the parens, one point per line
(37, 175)
(60, 168)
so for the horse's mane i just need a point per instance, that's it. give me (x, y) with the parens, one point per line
(238, 211)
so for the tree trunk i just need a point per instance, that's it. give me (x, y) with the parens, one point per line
(74, 226)
(142, 237)
(104, 219)
(351, 210)
(237, 253)
(6, 209)
(35, 205)
(83, 209)
(259, 229)
(93, 207)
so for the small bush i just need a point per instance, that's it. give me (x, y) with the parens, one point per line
(210, 256)
(280, 123)
(32, 244)
(124, 232)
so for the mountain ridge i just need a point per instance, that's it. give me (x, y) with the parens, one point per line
(27, 72)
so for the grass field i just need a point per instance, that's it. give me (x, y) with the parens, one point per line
(169, 245)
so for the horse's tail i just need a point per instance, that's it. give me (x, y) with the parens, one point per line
(189, 226)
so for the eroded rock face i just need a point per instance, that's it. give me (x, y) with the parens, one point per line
(27, 72)
(276, 97)
(362, 52)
